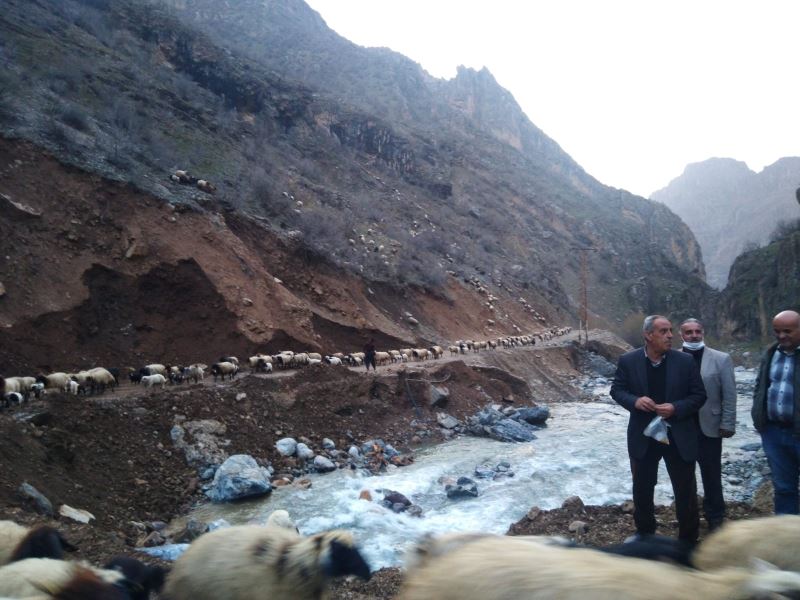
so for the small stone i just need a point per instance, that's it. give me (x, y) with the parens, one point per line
(365, 495)
(240, 396)
(76, 514)
(578, 527)
(247, 302)
(628, 507)
(573, 503)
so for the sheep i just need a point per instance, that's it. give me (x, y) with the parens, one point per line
(300, 360)
(100, 378)
(221, 369)
(37, 389)
(18, 542)
(194, 372)
(22, 384)
(381, 358)
(454, 350)
(14, 397)
(154, 380)
(144, 578)
(61, 580)
(154, 369)
(175, 374)
(333, 360)
(315, 356)
(314, 361)
(206, 186)
(774, 539)
(283, 359)
(230, 359)
(252, 562)
(467, 566)
(56, 381)
(260, 363)
(436, 351)
(181, 177)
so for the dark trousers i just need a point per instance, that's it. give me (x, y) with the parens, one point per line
(783, 453)
(709, 457)
(684, 486)
(369, 359)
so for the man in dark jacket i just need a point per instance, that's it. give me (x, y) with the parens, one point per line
(658, 381)
(776, 409)
(369, 354)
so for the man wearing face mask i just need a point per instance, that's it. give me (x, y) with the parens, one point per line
(717, 416)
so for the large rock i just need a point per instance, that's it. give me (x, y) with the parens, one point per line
(533, 415)
(323, 464)
(509, 430)
(439, 395)
(446, 421)
(304, 452)
(201, 443)
(39, 500)
(464, 488)
(239, 477)
(286, 446)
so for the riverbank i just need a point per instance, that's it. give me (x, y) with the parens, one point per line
(115, 456)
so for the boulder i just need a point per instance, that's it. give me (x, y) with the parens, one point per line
(328, 444)
(323, 464)
(304, 452)
(508, 430)
(286, 446)
(535, 415)
(239, 477)
(39, 500)
(464, 488)
(446, 421)
(395, 501)
(484, 472)
(438, 396)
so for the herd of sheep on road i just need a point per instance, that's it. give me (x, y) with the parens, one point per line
(97, 380)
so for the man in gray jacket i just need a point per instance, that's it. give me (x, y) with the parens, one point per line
(717, 416)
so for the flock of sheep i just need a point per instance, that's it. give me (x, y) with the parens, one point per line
(751, 559)
(15, 390)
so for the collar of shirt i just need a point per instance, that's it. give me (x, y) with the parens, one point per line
(653, 364)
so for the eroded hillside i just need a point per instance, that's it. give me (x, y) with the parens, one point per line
(97, 272)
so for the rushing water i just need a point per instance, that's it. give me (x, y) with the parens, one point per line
(582, 452)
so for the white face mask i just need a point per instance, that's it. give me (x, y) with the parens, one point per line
(694, 345)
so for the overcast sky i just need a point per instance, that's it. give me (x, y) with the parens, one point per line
(633, 90)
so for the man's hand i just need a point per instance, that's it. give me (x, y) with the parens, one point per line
(645, 404)
(726, 433)
(665, 411)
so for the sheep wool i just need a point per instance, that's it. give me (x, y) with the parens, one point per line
(775, 540)
(18, 542)
(505, 568)
(60, 580)
(252, 562)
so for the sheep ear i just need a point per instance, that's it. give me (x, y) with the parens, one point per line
(760, 565)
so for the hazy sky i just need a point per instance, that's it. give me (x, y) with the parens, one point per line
(632, 89)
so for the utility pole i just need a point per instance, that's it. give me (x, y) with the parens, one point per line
(583, 316)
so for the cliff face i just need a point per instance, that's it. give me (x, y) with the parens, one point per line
(358, 159)
(762, 283)
(729, 207)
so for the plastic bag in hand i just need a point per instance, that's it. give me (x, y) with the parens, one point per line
(657, 429)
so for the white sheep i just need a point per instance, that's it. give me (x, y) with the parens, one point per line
(251, 563)
(333, 360)
(206, 186)
(194, 372)
(73, 387)
(101, 378)
(156, 369)
(154, 380)
(51, 578)
(221, 369)
(775, 540)
(486, 567)
(281, 518)
(12, 397)
(54, 381)
(18, 542)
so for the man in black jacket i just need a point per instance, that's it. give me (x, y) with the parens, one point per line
(657, 381)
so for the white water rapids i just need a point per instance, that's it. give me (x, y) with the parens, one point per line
(582, 453)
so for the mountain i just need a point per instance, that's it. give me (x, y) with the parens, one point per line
(370, 189)
(729, 207)
(763, 281)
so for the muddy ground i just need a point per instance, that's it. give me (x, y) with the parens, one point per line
(113, 456)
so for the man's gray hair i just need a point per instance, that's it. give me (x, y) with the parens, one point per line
(693, 320)
(647, 326)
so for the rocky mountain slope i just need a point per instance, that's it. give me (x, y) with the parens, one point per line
(762, 282)
(729, 207)
(370, 189)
